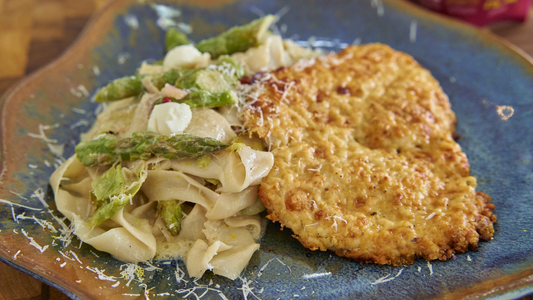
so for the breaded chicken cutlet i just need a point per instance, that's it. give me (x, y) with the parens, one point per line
(365, 161)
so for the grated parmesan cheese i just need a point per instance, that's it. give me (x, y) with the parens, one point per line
(335, 221)
(304, 63)
(66, 231)
(13, 214)
(56, 149)
(131, 270)
(131, 21)
(122, 57)
(386, 278)
(64, 255)
(165, 16)
(34, 243)
(75, 256)
(412, 31)
(39, 194)
(268, 262)
(430, 267)
(151, 267)
(83, 90)
(192, 291)
(246, 288)
(80, 111)
(76, 93)
(184, 27)
(180, 274)
(43, 223)
(146, 291)
(81, 122)
(312, 42)
(378, 5)
(42, 135)
(311, 225)
(18, 195)
(101, 274)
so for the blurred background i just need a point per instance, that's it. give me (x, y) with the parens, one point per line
(35, 32)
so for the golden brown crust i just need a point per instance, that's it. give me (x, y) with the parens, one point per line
(365, 163)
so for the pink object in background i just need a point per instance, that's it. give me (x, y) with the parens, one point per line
(480, 12)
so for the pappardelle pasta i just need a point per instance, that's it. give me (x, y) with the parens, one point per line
(166, 171)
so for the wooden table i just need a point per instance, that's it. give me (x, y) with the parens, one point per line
(35, 32)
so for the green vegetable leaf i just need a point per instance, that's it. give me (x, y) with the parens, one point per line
(236, 146)
(204, 161)
(171, 214)
(210, 80)
(254, 209)
(237, 39)
(175, 38)
(111, 183)
(119, 186)
(213, 181)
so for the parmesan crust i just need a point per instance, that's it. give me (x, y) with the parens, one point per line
(365, 162)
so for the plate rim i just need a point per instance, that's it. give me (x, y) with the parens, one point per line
(522, 280)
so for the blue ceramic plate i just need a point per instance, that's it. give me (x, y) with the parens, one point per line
(490, 87)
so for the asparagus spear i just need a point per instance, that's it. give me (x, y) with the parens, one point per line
(170, 212)
(175, 38)
(120, 88)
(159, 80)
(132, 85)
(199, 99)
(237, 39)
(207, 99)
(143, 145)
(113, 191)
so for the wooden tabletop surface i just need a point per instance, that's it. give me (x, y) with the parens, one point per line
(35, 32)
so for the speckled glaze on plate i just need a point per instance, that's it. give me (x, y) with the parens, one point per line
(490, 87)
